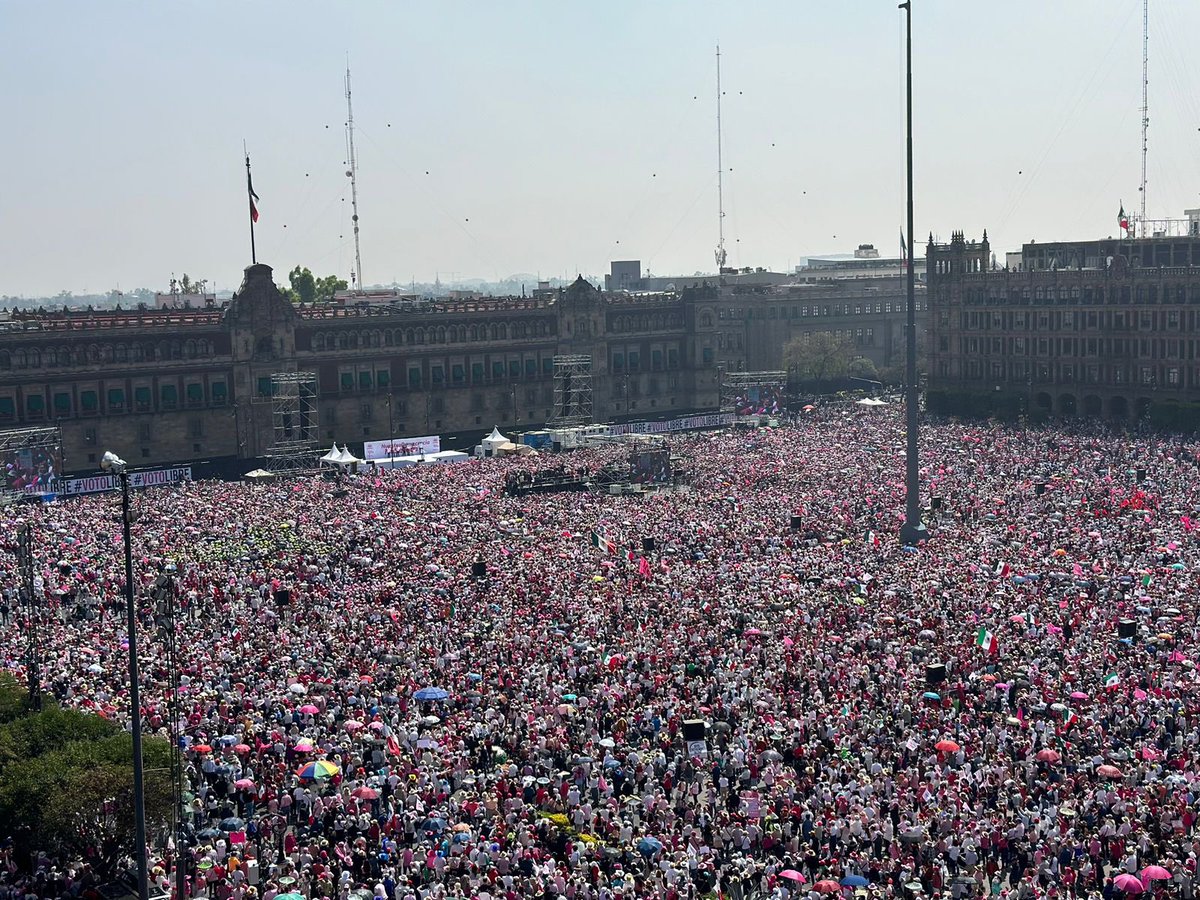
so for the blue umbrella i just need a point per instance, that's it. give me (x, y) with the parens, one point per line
(232, 824)
(931, 695)
(648, 846)
(435, 825)
(854, 881)
(431, 693)
(474, 676)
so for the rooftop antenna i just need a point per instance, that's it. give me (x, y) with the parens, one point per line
(356, 277)
(1145, 103)
(720, 254)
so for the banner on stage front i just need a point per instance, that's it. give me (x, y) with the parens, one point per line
(94, 484)
(405, 446)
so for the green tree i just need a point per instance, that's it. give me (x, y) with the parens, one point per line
(819, 356)
(304, 286)
(66, 782)
(328, 286)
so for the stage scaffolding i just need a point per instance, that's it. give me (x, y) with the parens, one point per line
(572, 390)
(15, 443)
(293, 422)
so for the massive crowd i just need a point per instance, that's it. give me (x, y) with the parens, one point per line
(366, 718)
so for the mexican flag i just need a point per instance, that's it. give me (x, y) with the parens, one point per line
(1122, 219)
(603, 543)
(1069, 717)
(986, 639)
(1147, 580)
(1002, 569)
(1111, 681)
(872, 539)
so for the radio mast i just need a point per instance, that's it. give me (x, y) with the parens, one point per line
(1145, 102)
(356, 277)
(720, 254)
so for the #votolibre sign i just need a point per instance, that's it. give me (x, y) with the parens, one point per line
(94, 484)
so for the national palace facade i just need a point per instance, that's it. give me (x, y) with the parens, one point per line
(178, 385)
(1104, 328)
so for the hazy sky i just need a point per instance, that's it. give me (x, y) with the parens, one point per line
(550, 137)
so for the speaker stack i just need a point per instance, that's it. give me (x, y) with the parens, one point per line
(648, 545)
(479, 569)
(1141, 475)
(795, 523)
(1127, 628)
(935, 674)
(283, 598)
(1039, 488)
(694, 730)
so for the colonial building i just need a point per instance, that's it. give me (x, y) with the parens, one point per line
(178, 385)
(1104, 328)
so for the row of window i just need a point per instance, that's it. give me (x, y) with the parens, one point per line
(646, 322)
(631, 360)
(111, 401)
(798, 311)
(1074, 373)
(103, 354)
(1076, 320)
(1139, 294)
(1143, 348)
(433, 334)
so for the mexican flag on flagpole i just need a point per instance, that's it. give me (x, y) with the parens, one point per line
(986, 639)
(1069, 717)
(1122, 219)
(1111, 680)
(1002, 569)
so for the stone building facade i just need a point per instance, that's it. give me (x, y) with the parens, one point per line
(177, 385)
(1106, 328)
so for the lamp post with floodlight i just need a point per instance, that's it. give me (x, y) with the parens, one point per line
(117, 466)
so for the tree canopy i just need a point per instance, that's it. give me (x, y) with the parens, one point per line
(66, 781)
(306, 288)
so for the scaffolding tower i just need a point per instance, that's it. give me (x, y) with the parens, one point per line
(293, 422)
(572, 390)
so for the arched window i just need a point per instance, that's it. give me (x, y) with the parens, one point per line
(35, 359)
(121, 353)
(706, 319)
(189, 350)
(318, 341)
(503, 328)
(64, 355)
(410, 336)
(138, 353)
(93, 353)
(441, 334)
(176, 349)
(5, 359)
(420, 335)
(19, 359)
(474, 332)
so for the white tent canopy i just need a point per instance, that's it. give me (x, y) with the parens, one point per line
(345, 457)
(332, 458)
(492, 442)
(871, 401)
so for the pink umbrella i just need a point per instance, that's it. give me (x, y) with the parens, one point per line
(309, 710)
(1128, 883)
(1048, 755)
(1139, 694)
(353, 726)
(793, 875)
(1109, 772)
(1078, 695)
(1155, 873)
(243, 784)
(753, 632)
(1148, 753)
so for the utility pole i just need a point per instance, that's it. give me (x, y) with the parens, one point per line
(33, 666)
(913, 530)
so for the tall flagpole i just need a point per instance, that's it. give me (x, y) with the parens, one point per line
(250, 197)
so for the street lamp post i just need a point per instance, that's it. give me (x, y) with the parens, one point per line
(113, 463)
(913, 529)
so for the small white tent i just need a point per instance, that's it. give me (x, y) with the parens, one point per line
(493, 441)
(871, 401)
(331, 458)
(345, 457)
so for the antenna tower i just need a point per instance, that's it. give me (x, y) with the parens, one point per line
(1145, 101)
(356, 277)
(720, 254)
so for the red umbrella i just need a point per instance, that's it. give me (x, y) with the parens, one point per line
(1109, 772)
(827, 886)
(201, 748)
(946, 746)
(1048, 755)
(365, 793)
(241, 749)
